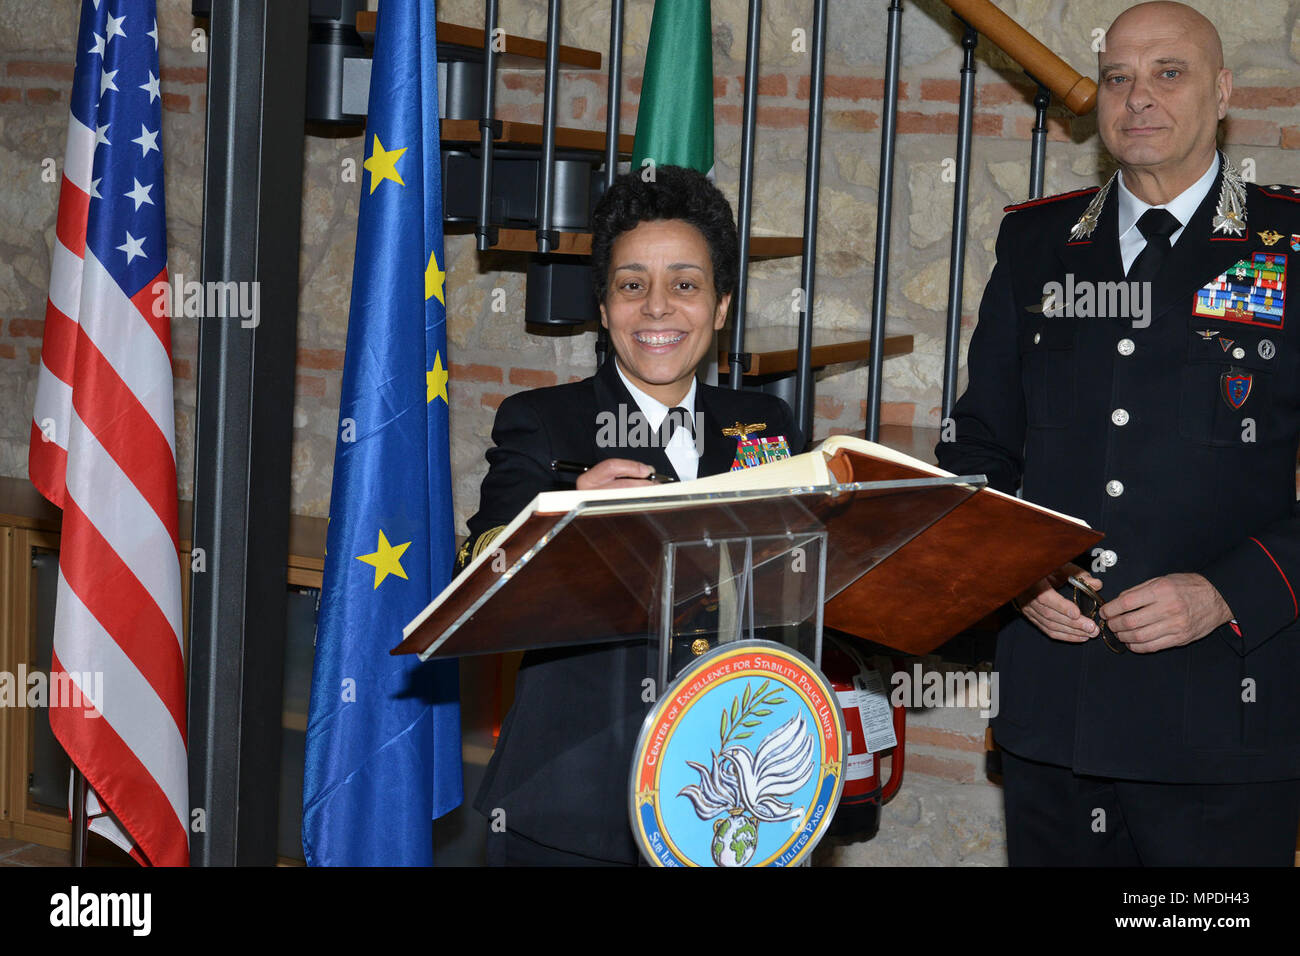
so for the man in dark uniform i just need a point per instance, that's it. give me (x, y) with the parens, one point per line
(664, 255)
(1136, 364)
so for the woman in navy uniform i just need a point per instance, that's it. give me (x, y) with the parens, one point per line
(1136, 364)
(664, 260)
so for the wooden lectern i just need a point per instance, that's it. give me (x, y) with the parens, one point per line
(883, 550)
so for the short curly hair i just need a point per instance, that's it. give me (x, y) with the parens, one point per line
(675, 192)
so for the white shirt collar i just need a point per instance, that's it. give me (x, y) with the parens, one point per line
(682, 451)
(1182, 206)
(653, 409)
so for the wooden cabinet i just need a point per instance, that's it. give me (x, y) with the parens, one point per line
(33, 770)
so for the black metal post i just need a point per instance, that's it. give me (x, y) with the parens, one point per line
(252, 209)
(79, 820)
(957, 253)
(736, 356)
(613, 111)
(489, 127)
(808, 267)
(547, 237)
(1038, 149)
(884, 208)
(614, 99)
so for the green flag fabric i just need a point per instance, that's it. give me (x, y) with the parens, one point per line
(674, 123)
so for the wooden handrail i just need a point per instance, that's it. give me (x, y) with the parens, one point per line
(1076, 91)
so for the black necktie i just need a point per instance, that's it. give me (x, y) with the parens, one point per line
(676, 418)
(1157, 225)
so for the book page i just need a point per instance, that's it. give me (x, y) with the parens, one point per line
(795, 471)
(808, 470)
(872, 450)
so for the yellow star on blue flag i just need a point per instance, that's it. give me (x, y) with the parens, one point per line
(384, 763)
(386, 559)
(436, 381)
(433, 278)
(382, 164)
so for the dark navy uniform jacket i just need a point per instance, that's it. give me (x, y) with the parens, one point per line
(1176, 434)
(560, 768)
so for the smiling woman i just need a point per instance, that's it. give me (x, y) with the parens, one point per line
(664, 263)
(663, 307)
(664, 257)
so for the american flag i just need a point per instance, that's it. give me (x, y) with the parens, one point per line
(103, 448)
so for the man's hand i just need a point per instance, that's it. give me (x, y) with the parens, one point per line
(1055, 615)
(1166, 612)
(615, 473)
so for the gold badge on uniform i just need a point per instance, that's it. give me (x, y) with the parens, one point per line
(742, 431)
(1270, 237)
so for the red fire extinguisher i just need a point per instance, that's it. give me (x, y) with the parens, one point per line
(858, 815)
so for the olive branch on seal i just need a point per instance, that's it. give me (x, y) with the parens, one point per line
(743, 711)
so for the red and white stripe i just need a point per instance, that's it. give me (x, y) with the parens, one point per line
(103, 449)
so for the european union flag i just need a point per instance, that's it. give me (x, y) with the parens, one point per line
(383, 738)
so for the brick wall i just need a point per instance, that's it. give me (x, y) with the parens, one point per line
(950, 813)
(36, 51)
(491, 355)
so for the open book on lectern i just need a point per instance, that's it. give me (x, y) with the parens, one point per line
(565, 571)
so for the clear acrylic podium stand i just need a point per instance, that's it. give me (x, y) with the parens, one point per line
(751, 566)
(683, 569)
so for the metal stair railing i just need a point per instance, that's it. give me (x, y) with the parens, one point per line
(1051, 74)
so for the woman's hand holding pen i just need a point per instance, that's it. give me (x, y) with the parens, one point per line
(615, 473)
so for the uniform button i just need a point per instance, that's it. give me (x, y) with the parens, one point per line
(1119, 416)
(1038, 337)
(1114, 488)
(1109, 559)
(1239, 353)
(1125, 347)
(699, 646)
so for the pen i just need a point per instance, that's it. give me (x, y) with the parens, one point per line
(574, 469)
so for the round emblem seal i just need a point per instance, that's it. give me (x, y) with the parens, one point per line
(739, 763)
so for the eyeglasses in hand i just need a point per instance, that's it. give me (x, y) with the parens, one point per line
(1089, 603)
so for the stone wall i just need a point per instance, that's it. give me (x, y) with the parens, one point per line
(948, 813)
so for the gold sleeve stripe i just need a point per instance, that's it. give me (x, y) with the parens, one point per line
(485, 539)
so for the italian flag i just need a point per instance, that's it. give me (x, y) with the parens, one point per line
(674, 124)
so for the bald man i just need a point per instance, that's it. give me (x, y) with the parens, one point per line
(1136, 363)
